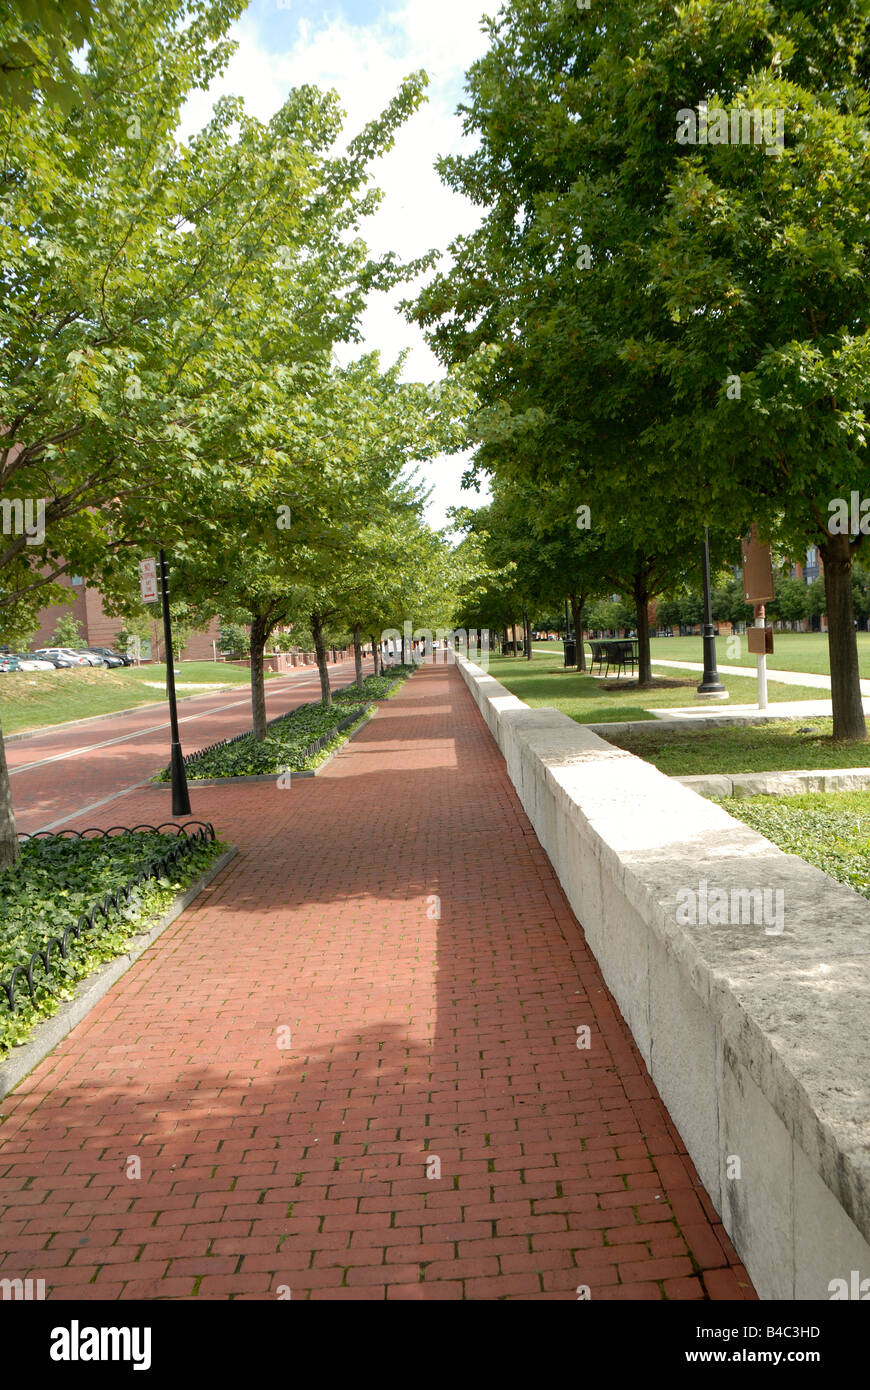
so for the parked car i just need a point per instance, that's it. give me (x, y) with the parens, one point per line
(9, 663)
(90, 658)
(61, 656)
(28, 662)
(111, 657)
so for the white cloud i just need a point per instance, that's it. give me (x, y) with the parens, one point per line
(365, 64)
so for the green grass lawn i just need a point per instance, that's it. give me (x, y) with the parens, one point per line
(33, 699)
(774, 747)
(793, 651)
(544, 681)
(829, 829)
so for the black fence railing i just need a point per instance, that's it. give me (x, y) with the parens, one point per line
(320, 743)
(153, 868)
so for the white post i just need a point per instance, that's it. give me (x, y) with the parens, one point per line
(213, 650)
(761, 661)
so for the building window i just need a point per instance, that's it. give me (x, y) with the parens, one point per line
(76, 579)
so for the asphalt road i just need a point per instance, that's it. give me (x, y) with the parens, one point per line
(57, 774)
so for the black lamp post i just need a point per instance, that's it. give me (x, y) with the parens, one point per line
(180, 795)
(710, 684)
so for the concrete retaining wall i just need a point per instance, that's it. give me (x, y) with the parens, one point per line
(756, 1039)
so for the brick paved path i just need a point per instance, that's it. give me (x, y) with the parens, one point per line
(412, 1039)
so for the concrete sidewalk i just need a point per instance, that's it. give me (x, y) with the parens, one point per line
(805, 678)
(353, 1069)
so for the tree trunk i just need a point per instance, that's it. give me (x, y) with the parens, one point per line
(357, 655)
(375, 650)
(322, 659)
(514, 631)
(259, 633)
(842, 640)
(578, 603)
(8, 834)
(527, 636)
(640, 588)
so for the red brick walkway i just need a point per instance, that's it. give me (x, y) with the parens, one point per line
(431, 1131)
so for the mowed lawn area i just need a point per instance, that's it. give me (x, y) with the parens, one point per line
(544, 681)
(34, 699)
(784, 745)
(792, 651)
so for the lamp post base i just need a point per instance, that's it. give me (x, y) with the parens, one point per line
(180, 795)
(711, 687)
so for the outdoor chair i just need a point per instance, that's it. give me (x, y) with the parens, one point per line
(599, 653)
(621, 655)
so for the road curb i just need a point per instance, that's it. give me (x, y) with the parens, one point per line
(795, 783)
(47, 1034)
(667, 724)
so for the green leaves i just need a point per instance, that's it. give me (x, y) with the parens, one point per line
(283, 748)
(54, 882)
(823, 828)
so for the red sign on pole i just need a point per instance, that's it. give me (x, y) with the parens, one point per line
(148, 580)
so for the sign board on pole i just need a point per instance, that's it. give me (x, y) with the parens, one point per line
(760, 640)
(148, 580)
(757, 569)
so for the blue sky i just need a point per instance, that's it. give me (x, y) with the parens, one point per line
(363, 49)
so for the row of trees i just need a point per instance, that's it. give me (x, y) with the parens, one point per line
(673, 335)
(171, 316)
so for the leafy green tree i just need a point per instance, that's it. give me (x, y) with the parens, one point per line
(691, 610)
(668, 612)
(138, 624)
(183, 624)
(18, 630)
(720, 604)
(234, 639)
(398, 571)
(134, 297)
(817, 599)
(681, 329)
(738, 610)
(562, 407)
(67, 632)
(760, 263)
(790, 599)
(295, 543)
(37, 39)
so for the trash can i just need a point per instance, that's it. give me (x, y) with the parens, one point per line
(570, 645)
